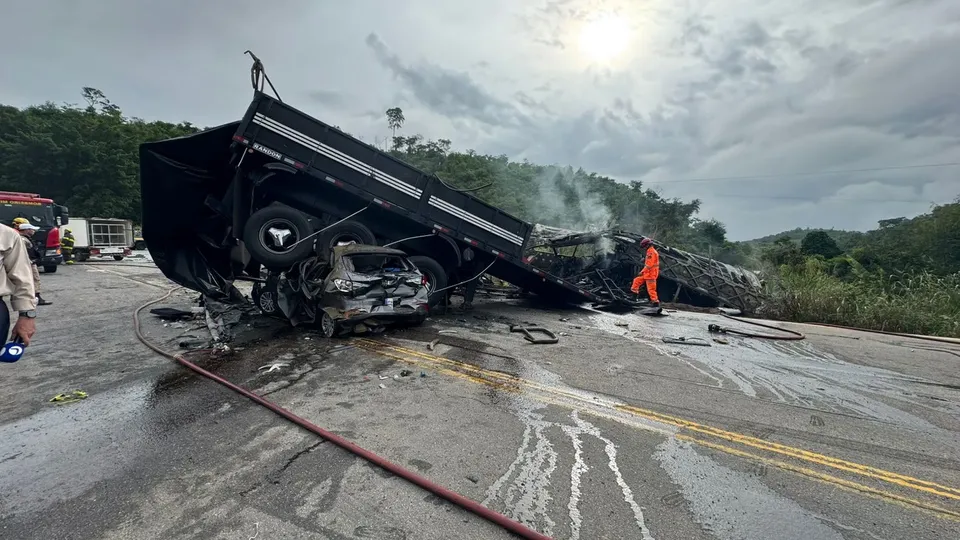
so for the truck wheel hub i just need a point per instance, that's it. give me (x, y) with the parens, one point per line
(278, 236)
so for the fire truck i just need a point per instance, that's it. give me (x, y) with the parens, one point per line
(43, 213)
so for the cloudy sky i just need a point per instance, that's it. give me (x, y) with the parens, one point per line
(743, 104)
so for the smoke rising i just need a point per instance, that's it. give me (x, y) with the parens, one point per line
(566, 202)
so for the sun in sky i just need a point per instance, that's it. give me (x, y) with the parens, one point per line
(604, 37)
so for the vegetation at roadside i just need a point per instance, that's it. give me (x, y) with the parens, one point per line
(903, 276)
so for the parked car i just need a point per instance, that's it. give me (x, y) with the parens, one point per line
(355, 288)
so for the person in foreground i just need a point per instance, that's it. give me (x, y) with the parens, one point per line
(649, 274)
(16, 281)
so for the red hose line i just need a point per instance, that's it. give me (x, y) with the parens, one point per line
(470, 505)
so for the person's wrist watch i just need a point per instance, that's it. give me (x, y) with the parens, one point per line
(30, 314)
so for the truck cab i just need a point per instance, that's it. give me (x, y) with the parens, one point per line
(43, 213)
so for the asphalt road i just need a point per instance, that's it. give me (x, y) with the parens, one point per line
(610, 433)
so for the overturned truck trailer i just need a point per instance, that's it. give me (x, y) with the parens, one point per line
(279, 187)
(605, 263)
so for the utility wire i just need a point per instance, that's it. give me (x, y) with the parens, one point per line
(809, 173)
(825, 198)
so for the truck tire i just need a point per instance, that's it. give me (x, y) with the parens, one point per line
(275, 235)
(436, 277)
(346, 232)
(50, 269)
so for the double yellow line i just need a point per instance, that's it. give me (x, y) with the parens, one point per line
(707, 435)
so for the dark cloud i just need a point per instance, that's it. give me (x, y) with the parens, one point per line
(327, 97)
(447, 92)
(705, 91)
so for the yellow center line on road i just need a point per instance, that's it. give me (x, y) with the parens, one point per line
(839, 482)
(570, 399)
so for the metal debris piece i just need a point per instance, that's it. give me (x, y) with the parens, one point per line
(405, 373)
(382, 386)
(447, 332)
(383, 377)
(622, 324)
(270, 368)
(528, 332)
(433, 344)
(721, 341)
(687, 341)
(564, 319)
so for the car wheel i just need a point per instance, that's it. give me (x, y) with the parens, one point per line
(264, 299)
(276, 236)
(118, 257)
(346, 232)
(327, 327)
(436, 277)
(50, 269)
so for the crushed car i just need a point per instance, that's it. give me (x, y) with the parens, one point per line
(355, 288)
(605, 262)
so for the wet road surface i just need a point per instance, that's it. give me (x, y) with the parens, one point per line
(610, 433)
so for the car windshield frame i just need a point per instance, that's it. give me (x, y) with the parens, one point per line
(348, 263)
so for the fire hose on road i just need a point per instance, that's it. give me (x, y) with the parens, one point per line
(467, 504)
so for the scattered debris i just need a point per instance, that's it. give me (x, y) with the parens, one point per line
(62, 399)
(462, 320)
(406, 373)
(433, 344)
(721, 341)
(447, 332)
(270, 368)
(339, 348)
(528, 332)
(423, 375)
(564, 319)
(561, 334)
(172, 314)
(382, 386)
(193, 343)
(623, 324)
(473, 479)
(383, 377)
(687, 341)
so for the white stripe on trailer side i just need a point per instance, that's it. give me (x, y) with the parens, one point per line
(474, 220)
(336, 155)
(386, 179)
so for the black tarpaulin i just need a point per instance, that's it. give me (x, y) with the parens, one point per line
(184, 234)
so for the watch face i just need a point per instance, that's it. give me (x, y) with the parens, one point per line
(32, 314)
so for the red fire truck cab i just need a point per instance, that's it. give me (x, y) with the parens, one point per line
(43, 213)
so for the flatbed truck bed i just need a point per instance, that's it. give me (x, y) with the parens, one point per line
(278, 155)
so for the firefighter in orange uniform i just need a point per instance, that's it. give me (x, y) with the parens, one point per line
(649, 274)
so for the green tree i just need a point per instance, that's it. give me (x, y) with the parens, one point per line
(820, 243)
(86, 158)
(395, 119)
